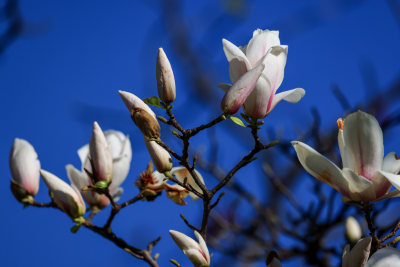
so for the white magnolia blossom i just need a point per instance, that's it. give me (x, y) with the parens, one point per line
(366, 174)
(385, 257)
(263, 48)
(121, 151)
(25, 166)
(358, 255)
(196, 252)
(67, 198)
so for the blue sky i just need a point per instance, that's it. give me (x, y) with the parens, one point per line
(66, 68)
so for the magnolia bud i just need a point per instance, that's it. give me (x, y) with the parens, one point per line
(64, 196)
(147, 124)
(131, 101)
(196, 252)
(358, 255)
(240, 90)
(25, 167)
(165, 78)
(100, 154)
(181, 173)
(353, 230)
(161, 158)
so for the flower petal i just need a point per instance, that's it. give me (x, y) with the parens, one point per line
(256, 103)
(259, 45)
(132, 101)
(385, 257)
(394, 179)
(224, 86)
(240, 90)
(232, 51)
(364, 143)
(292, 96)
(359, 187)
(391, 163)
(275, 62)
(320, 167)
(181, 173)
(358, 255)
(203, 245)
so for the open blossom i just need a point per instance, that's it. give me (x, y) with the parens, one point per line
(366, 174)
(25, 167)
(100, 155)
(67, 198)
(121, 150)
(196, 252)
(263, 48)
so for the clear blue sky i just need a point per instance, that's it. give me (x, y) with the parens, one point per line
(65, 70)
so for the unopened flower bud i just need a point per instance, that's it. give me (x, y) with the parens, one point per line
(353, 230)
(196, 252)
(100, 155)
(161, 158)
(65, 197)
(358, 255)
(131, 101)
(240, 90)
(165, 78)
(25, 167)
(146, 123)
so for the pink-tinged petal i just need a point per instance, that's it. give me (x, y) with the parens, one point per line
(100, 155)
(256, 103)
(347, 161)
(321, 168)
(385, 257)
(291, 96)
(203, 245)
(181, 173)
(232, 51)
(381, 184)
(359, 188)
(394, 179)
(65, 197)
(240, 90)
(25, 166)
(259, 45)
(364, 143)
(358, 255)
(224, 87)
(237, 67)
(391, 163)
(132, 101)
(160, 157)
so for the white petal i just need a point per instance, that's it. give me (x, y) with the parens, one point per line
(181, 173)
(25, 166)
(232, 51)
(83, 153)
(256, 103)
(320, 167)
(183, 241)
(259, 45)
(385, 257)
(203, 245)
(391, 163)
(117, 193)
(394, 179)
(364, 143)
(224, 86)
(359, 187)
(100, 154)
(347, 161)
(358, 255)
(275, 62)
(160, 157)
(292, 96)
(132, 101)
(66, 198)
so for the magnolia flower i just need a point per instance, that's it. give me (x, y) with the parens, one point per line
(100, 155)
(165, 78)
(353, 230)
(365, 172)
(237, 94)
(67, 198)
(25, 167)
(161, 158)
(196, 252)
(263, 48)
(120, 147)
(358, 255)
(385, 257)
